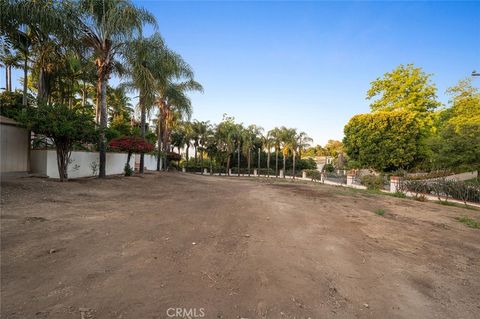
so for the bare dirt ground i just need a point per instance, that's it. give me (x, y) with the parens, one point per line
(124, 248)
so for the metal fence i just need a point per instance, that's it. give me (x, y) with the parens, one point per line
(466, 191)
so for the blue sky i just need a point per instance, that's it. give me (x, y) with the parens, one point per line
(309, 64)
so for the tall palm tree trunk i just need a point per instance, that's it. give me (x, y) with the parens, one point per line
(84, 93)
(10, 78)
(103, 123)
(99, 100)
(276, 162)
(42, 92)
(259, 154)
(186, 155)
(294, 155)
(228, 165)
(8, 83)
(238, 160)
(159, 143)
(143, 124)
(25, 80)
(284, 162)
(268, 162)
(249, 159)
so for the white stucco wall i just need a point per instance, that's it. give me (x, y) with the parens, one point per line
(81, 163)
(150, 161)
(13, 149)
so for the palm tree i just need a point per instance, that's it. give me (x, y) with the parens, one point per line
(188, 132)
(267, 141)
(303, 141)
(172, 100)
(9, 60)
(299, 142)
(106, 27)
(249, 137)
(210, 145)
(199, 129)
(141, 56)
(276, 141)
(287, 138)
(226, 134)
(238, 136)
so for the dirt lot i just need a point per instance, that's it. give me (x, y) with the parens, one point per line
(230, 248)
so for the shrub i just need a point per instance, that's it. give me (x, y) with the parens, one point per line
(128, 170)
(372, 182)
(131, 145)
(314, 174)
(305, 163)
(329, 168)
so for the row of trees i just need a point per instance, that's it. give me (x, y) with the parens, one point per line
(229, 142)
(407, 129)
(68, 51)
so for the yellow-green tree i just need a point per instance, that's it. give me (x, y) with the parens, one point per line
(405, 88)
(456, 144)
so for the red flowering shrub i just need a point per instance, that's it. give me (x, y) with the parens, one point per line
(131, 144)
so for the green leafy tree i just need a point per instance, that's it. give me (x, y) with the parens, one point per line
(385, 141)
(11, 104)
(405, 88)
(64, 125)
(333, 148)
(456, 144)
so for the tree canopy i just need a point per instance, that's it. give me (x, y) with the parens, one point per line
(405, 88)
(385, 141)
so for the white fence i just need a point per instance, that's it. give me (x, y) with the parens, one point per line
(82, 164)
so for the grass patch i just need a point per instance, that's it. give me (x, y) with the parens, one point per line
(445, 203)
(380, 212)
(472, 223)
(398, 195)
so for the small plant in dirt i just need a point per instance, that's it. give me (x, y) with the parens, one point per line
(420, 198)
(380, 212)
(128, 170)
(94, 168)
(469, 222)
